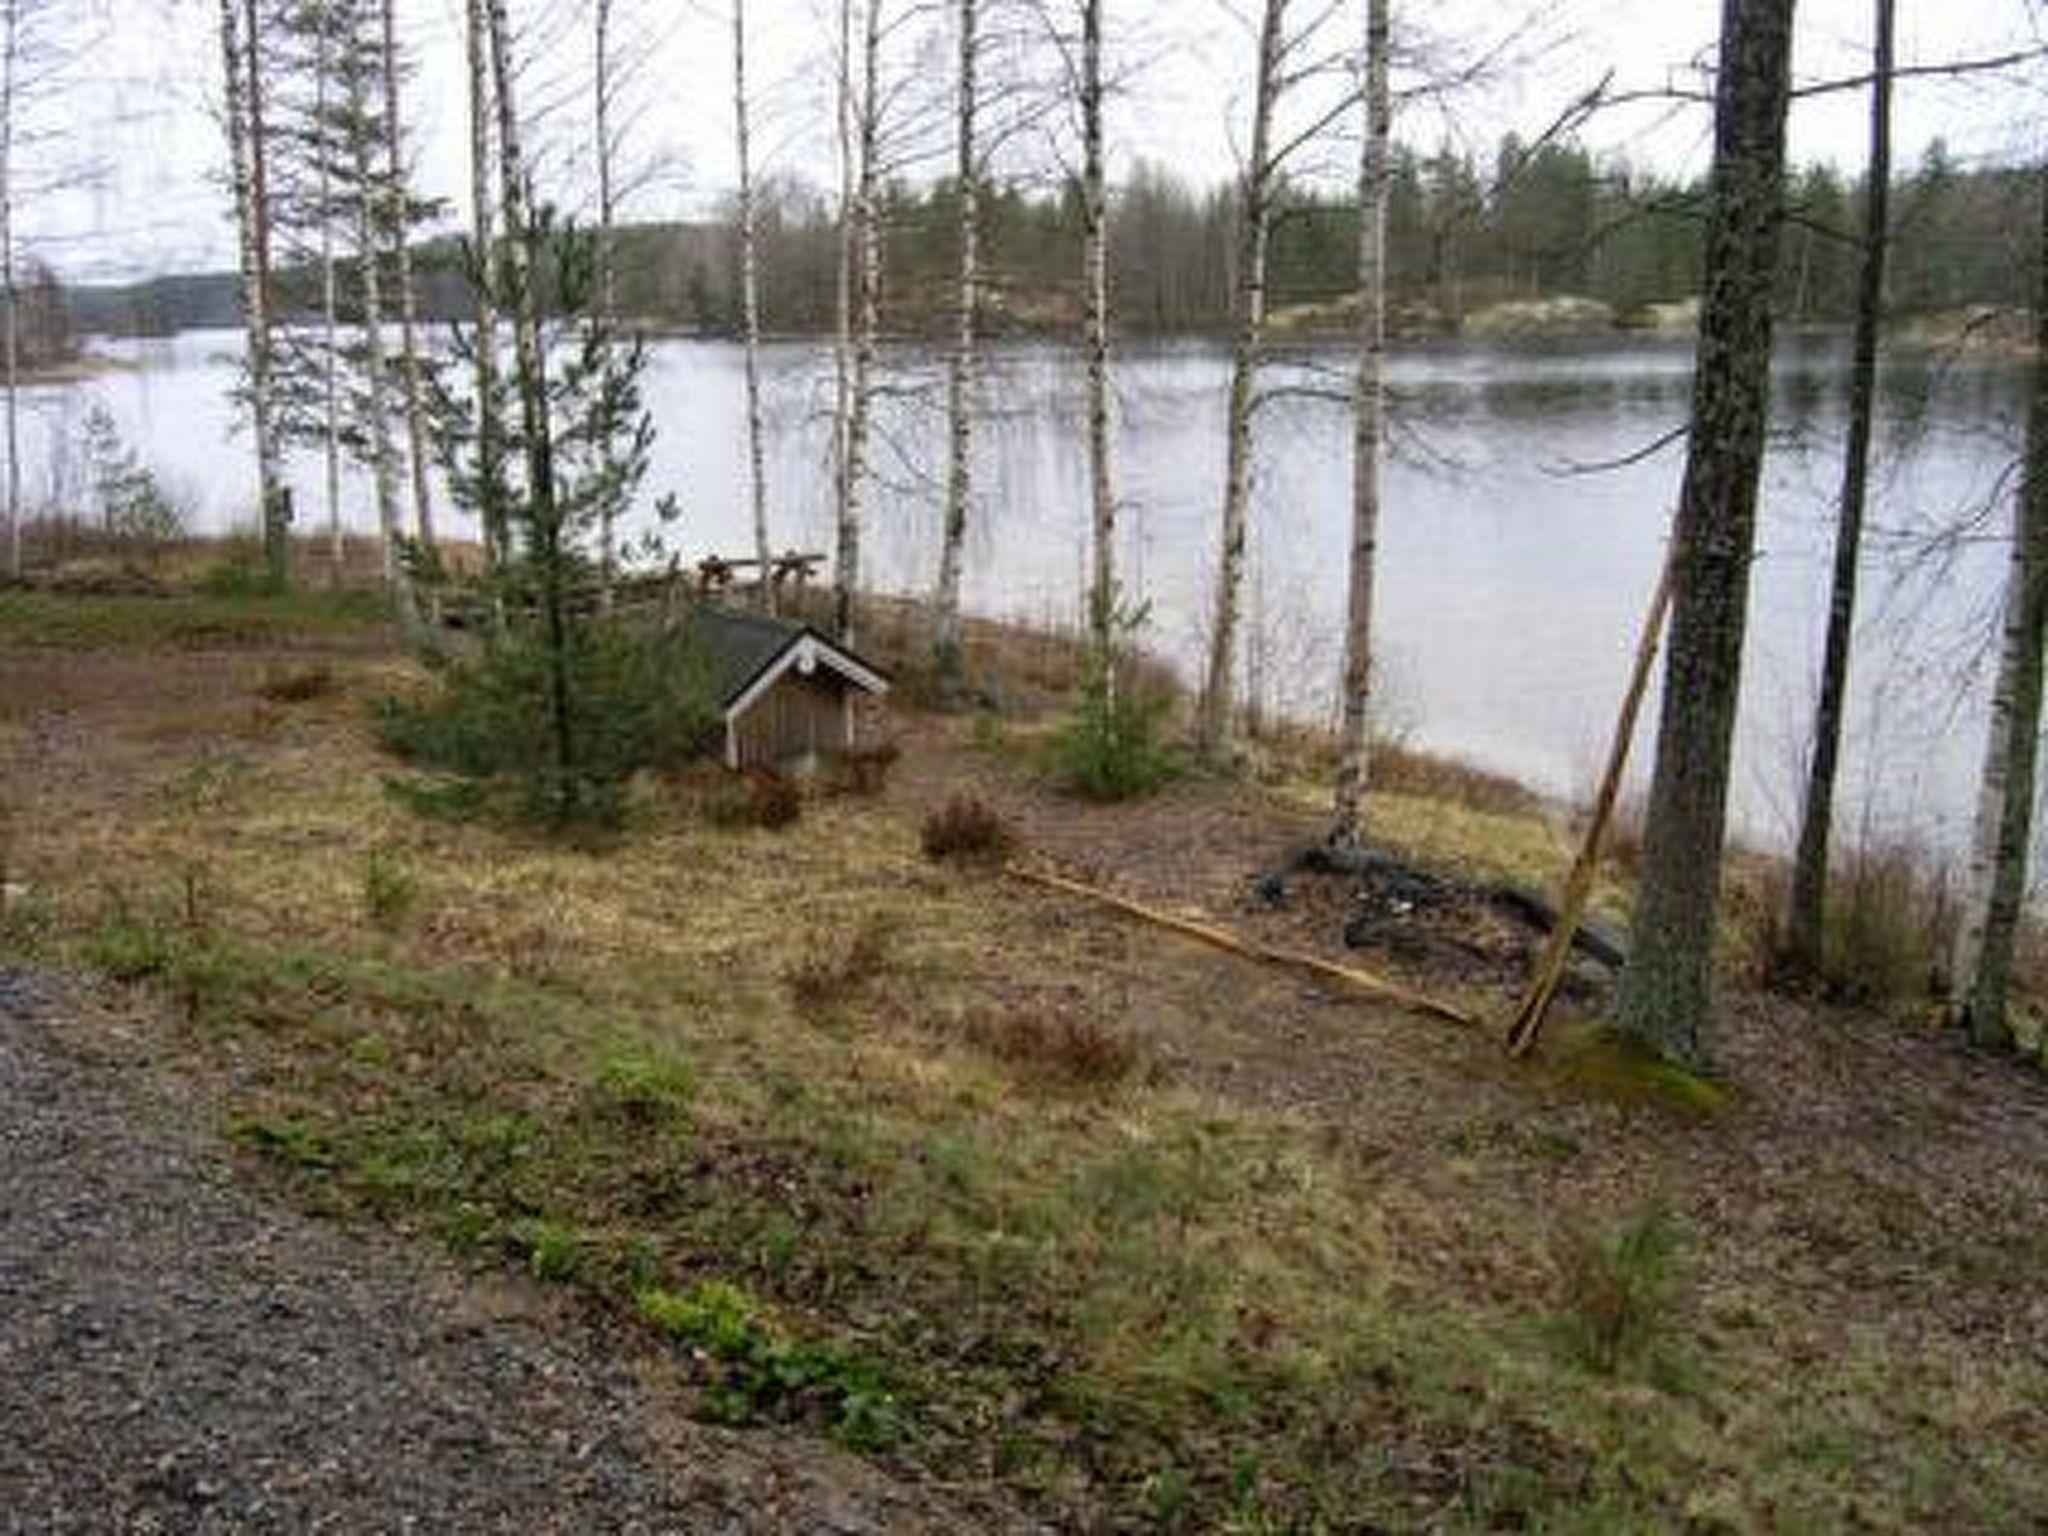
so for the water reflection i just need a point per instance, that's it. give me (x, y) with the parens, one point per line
(1511, 582)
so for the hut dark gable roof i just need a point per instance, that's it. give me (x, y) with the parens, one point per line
(740, 646)
(744, 647)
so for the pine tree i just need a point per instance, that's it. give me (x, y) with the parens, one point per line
(1667, 989)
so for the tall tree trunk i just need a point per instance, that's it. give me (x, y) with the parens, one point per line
(277, 507)
(843, 303)
(483, 236)
(2006, 804)
(1368, 437)
(330, 302)
(607, 270)
(376, 366)
(1667, 989)
(867, 306)
(410, 376)
(544, 514)
(1806, 916)
(1102, 589)
(1214, 719)
(750, 312)
(10, 321)
(960, 369)
(521, 279)
(241, 50)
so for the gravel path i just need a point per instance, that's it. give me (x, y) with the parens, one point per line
(176, 1354)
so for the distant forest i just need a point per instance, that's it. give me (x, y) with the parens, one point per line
(1463, 235)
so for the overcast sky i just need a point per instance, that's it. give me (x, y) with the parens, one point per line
(143, 101)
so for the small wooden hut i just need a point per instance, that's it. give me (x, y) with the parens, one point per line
(787, 692)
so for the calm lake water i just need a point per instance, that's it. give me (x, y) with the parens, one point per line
(1512, 581)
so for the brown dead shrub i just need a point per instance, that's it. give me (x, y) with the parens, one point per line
(833, 974)
(760, 797)
(863, 770)
(298, 685)
(967, 830)
(775, 800)
(1057, 1043)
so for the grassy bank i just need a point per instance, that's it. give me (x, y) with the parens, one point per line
(984, 1182)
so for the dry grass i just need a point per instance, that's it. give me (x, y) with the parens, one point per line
(1309, 1230)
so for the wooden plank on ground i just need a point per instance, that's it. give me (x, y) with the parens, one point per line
(1349, 977)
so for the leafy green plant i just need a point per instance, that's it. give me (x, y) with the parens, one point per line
(1618, 1286)
(642, 1084)
(553, 1252)
(757, 1372)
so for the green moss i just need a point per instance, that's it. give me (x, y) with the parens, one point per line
(1621, 1067)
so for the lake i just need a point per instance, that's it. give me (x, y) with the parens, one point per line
(1513, 576)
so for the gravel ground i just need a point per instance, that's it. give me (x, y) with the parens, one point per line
(177, 1354)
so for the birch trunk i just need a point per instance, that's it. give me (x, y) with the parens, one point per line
(276, 502)
(408, 299)
(750, 311)
(330, 306)
(607, 272)
(1214, 719)
(483, 236)
(1991, 792)
(10, 323)
(520, 278)
(1998, 884)
(1667, 990)
(240, 42)
(842, 315)
(1369, 435)
(1806, 915)
(960, 373)
(376, 374)
(1102, 589)
(868, 299)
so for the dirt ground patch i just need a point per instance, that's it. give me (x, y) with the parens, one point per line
(1293, 1260)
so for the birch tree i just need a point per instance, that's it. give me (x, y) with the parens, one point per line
(1368, 435)
(330, 300)
(2005, 808)
(1256, 188)
(1805, 916)
(10, 321)
(244, 84)
(604, 91)
(750, 309)
(399, 222)
(864, 257)
(846, 529)
(520, 293)
(960, 365)
(487, 279)
(362, 66)
(1667, 988)
(1103, 597)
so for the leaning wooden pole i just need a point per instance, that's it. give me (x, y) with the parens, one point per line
(1578, 885)
(1364, 982)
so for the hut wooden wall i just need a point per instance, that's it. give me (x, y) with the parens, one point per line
(799, 715)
